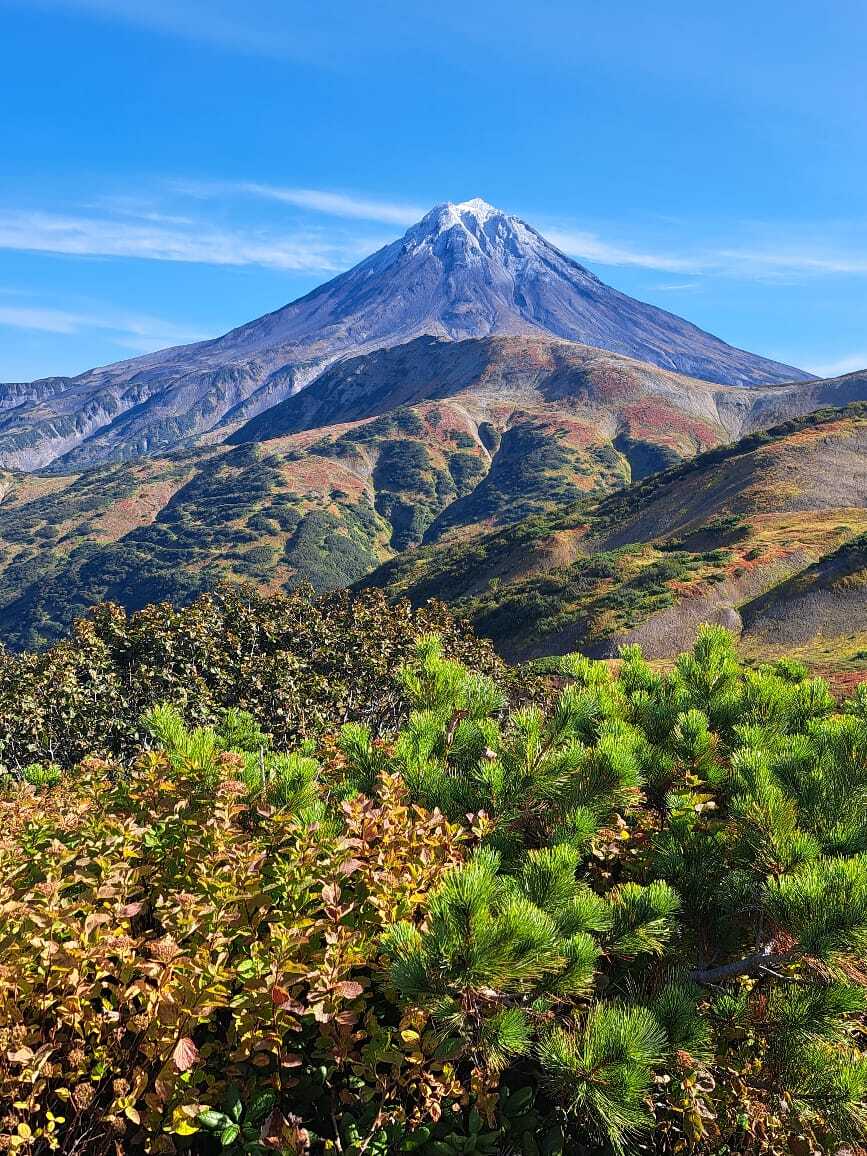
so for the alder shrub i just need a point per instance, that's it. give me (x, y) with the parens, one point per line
(631, 921)
(300, 664)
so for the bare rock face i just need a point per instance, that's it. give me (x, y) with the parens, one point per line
(464, 271)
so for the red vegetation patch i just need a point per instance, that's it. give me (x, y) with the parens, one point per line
(610, 383)
(770, 553)
(140, 509)
(30, 487)
(573, 431)
(651, 415)
(843, 683)
(687, 589)
(521, 354)
(442, 419)
(323, 475)
(292, 443)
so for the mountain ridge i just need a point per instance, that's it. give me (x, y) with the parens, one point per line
(513, 368)
(512, 429)
(465, 270)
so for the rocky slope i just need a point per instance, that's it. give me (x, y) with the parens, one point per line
(465, 270)
(763, 536)
(823, 603)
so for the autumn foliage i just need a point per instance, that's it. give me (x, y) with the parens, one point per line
(629, 919)
(175, 946)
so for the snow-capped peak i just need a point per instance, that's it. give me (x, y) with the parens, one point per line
(476, 208)
(471, 215)
(471, 231)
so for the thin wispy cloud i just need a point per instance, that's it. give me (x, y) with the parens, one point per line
(803, 261)
(144, 332)
(675, 286)
(337, 204)
(747, 262)
(591, 247)
(41, 320)
(850, 364)
(93, 236)
(134, 332)
(138, 208)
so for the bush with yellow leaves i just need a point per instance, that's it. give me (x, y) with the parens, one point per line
(187, 947)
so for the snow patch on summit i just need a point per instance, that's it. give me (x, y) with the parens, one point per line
(475, 233)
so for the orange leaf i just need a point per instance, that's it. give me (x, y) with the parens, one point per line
(281, 999)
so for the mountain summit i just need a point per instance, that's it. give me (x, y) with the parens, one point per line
(466, 270)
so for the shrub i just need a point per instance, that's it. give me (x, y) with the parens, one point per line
(711, 820)
(632, 920)
(296, 663)
(189, 947)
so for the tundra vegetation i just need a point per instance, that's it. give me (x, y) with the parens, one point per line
(326, 877)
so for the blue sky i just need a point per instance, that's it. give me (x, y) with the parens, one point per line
(171, 169)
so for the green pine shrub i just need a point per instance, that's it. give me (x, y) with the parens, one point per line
(631, 918)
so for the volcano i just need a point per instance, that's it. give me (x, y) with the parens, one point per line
(466, 270)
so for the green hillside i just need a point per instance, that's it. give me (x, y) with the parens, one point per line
(324, 507)
(697, 543)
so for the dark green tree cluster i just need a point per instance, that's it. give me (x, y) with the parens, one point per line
(299, 664)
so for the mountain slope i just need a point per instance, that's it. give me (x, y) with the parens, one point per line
(465, 270)
(499, 431)
(712, 539)
(328, 504)
(564, 374)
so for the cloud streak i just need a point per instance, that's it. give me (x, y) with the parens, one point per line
(42, 320)
(749, 263)
(675, 286)
(337, 204)
(90, 236)
(785, 261)
(132, 230)
(140, 333)
(591, 247)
